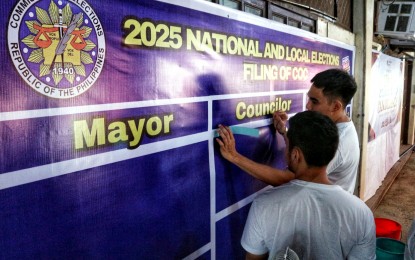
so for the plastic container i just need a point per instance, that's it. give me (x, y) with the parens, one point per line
(389, 249)
(388, 228)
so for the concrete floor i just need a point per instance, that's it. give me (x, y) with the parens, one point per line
(398, 201)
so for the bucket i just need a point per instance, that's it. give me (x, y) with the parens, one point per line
(389, 249)
(388, 228)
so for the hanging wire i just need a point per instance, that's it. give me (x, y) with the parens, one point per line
(385, 4)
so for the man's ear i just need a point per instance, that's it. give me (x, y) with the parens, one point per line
(337, 105)
(295, 154)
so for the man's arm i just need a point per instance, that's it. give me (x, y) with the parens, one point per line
(366, 247)
(262, 172)
(250, 256)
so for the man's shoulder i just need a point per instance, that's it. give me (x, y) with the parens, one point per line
(332, 196)
(348, 139)
(353, 201)
(346, 128)
(277, 193)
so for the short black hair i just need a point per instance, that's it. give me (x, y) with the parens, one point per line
(336, 83)
(316, 135)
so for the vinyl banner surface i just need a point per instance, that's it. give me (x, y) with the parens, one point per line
(385, 109)
(107, 124)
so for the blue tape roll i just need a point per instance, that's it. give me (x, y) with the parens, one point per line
(239, 130)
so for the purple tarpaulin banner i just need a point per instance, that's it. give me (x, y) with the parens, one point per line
(108, 111)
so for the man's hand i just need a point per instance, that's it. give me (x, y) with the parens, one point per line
(263, 172)
(227, 143)
(280, 120)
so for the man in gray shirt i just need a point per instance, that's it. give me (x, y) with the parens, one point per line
(310, 215)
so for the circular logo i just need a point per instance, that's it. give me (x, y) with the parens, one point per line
(58, 47)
